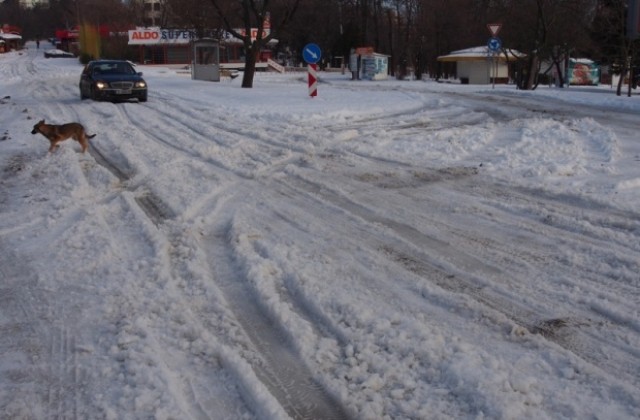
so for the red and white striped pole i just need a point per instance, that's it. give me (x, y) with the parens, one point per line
(313, 79)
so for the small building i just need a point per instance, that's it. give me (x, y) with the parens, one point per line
(10, 38)
(206, 60)
(162, 46)
(366, 64)
(480, 65)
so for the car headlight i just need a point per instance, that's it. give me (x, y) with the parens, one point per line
(141, 84)
(101, 85)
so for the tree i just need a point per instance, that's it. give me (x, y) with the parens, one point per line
(254, 14)
(541, 28)
(614, 46)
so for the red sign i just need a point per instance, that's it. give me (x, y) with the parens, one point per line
(494, 28)
(152, 36)
(144, 35)
(313, 80)
(67, 34)
(364, 50)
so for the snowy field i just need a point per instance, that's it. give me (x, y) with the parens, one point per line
(386, 250)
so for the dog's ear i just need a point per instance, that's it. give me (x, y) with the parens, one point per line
(41, 122)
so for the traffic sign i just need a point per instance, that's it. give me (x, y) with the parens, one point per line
(311, 53)
(494, 44)
(313, 79)
(494, 28)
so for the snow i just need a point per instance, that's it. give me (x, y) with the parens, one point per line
(386, 250)
(477, 53)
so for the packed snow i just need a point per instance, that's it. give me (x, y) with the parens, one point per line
(385, 250)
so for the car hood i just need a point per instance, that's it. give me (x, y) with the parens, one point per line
(119, 77)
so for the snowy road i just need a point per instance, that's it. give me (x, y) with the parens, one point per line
(400, 250)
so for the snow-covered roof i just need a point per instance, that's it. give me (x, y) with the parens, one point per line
(8, 36)
(582, 60)
(479, 53)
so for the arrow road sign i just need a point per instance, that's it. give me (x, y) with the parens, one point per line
(311, 53)
(494, 44)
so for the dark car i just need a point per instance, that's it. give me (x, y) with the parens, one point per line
(56, 53)
(112, 80)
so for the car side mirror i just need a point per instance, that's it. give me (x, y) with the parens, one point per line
(139, 73)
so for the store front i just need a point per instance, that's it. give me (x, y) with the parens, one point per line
(174, 46)
(163, 46)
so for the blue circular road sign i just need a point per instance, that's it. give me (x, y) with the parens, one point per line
(494, 44)
(311, 53)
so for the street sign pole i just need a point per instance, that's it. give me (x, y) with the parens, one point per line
(311, 53)
(313, 79)
(495, 69)
(494, 46)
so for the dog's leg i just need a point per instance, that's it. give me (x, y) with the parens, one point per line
(82, 139)
(84, 143)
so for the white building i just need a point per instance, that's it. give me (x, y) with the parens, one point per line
(480, 66)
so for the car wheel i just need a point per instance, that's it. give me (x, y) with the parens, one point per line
(82, 95)
(143, 98)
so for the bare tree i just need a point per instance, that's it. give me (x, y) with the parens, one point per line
(538, 28)
(254, 14)
(614, 46)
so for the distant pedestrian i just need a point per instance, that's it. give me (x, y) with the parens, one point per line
(38, 43)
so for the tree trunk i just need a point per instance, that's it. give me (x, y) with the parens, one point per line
(532, 73)
(556, 63)
(250, 66)
(623, 74)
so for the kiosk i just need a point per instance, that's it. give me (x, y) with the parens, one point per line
(206, 60)
(368, 65)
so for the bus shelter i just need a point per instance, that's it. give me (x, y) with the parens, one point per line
(206, 60)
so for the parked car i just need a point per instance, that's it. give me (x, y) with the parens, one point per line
(112, 80)
(56, 53)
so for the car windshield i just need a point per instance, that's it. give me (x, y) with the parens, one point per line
(113, 68)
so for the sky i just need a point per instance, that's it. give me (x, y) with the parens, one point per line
(385, 250)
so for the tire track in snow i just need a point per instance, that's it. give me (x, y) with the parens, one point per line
(464, 272)
(244, 154)
(21, 338)
(150, 203)
(278, 367)
(46, 373)
(198, 150)
(63, 383)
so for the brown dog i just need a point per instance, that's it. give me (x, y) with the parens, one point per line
(59, 133)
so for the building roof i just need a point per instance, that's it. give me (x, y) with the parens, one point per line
(9, 36)
(480, 54)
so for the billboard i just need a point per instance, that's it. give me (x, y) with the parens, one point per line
(583, 72)
(153, 36)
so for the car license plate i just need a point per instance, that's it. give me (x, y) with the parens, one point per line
(123, 92)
